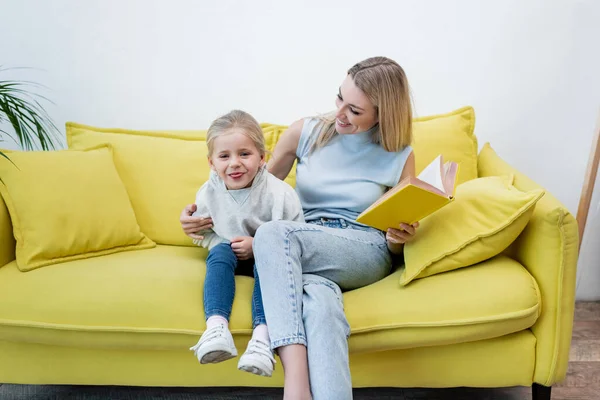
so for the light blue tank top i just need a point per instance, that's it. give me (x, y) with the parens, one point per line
(346, 176)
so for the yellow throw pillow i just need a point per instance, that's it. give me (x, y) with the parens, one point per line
(162, 171)
(67, 205)
(487, 215)
(449, 134)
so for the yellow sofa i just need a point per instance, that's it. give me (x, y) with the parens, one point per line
(128, 318)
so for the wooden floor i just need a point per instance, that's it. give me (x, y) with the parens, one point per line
(583, 377)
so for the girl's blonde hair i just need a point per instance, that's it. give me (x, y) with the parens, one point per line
(236, 119)
(384, 82)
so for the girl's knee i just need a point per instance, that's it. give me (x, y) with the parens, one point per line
(221, 254)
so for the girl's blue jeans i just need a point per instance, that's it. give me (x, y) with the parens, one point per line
(219, 284)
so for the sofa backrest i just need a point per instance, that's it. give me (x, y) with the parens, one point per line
(162, 170)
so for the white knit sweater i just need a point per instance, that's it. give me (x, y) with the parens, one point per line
(241, 212)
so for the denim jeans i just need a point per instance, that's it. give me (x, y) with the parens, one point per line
(219, 284)
(302, 268)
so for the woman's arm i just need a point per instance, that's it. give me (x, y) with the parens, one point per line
(397, 237)
(193, 225)
(284, 153)
(409, 167)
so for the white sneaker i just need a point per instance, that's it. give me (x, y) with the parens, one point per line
(215, 345)
(257, 359)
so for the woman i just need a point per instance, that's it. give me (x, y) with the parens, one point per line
(346, 161)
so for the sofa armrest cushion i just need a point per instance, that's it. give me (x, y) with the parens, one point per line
(548, 248)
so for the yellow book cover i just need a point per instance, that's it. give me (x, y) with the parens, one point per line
(413, 198)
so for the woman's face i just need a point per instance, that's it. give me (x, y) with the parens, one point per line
(355, 112)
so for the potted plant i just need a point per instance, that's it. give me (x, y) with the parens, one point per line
(28, 122)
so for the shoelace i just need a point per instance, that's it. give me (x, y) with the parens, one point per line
(214, 332)
(260, 347)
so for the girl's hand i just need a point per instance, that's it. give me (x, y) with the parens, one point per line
(405, 234)
(192, 225)
(242, 247)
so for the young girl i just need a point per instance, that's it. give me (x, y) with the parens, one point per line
(239, 196)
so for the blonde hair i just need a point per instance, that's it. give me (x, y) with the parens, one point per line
(384, 82)
(236, 119)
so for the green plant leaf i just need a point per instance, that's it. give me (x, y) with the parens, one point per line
(29, 120)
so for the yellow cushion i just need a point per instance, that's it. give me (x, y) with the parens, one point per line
(162, 172)
(67, 205)
(486, 216)
(449, 134)
(143, 313)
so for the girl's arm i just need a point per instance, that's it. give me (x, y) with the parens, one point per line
(284, 153)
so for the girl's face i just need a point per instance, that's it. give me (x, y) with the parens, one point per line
(236, 159)
(355, 112)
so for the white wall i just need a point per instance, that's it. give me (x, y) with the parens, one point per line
(530, 68)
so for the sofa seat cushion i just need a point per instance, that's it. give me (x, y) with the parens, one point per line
(152, 299)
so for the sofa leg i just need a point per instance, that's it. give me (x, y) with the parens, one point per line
(540, 392)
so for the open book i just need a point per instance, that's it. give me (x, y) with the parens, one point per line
(413, 198)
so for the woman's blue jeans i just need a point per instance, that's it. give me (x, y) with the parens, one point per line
(303, 267)
(219, 284)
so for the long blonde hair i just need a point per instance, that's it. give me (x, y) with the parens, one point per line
(236, 119)
(384, 82)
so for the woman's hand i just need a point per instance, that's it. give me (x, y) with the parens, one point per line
(396, 238)
(192, 225)
(242, 247)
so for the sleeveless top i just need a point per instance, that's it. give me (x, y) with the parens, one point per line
(346, 176)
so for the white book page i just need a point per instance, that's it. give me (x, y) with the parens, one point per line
(432, 174)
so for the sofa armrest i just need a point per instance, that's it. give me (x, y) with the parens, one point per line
(7, 240)
(548, 248)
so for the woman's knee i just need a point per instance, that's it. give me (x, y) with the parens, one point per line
(271, 234)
